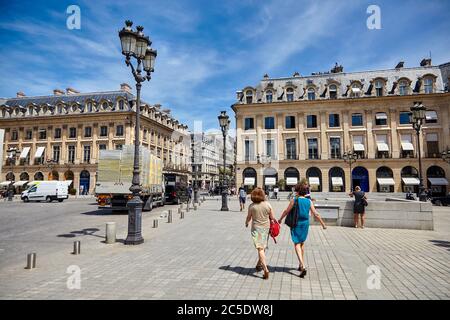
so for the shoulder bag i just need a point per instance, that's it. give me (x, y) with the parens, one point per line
(292, 217)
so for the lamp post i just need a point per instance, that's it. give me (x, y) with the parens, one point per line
(350, 157)
(446, 155)
(195, 183)
(224, 123)
(417, 119)
(135, 44)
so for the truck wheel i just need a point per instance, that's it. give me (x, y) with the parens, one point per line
(26, 199)
(48, 199)
(60, 200)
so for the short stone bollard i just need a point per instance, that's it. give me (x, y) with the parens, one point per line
(203, 199)
(179, 210)
(155, 223)
(31, 261)
(182, 215)
(76, 247)
(110, 232)
(169, 217)
(195, 207)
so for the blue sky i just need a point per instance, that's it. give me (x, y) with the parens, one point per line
(209, 49)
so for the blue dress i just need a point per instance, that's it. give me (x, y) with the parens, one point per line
(300, 232)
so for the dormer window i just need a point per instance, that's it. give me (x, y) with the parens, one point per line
(74, 108)
(89, 106)
(30, 111)
(428, 85)
(59, 109)
(311, 94)
(290, 94)
(121, 105)
(105, 105)
(333, 91)
(403, 88)
(269, 96)
(379, 88)
(249, 96)
(355, 90)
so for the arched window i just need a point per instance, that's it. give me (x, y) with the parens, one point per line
(385, 181)
(10, 176)
(355, 90)
(314, 176)
(290, 94)
(291, 177)
(336, 179)
(269, 96)
(311, 94)
(403, 88)
(249, 178)
(24, 176)
(38, 176)
(436, 181)
(89, 106)
(410, 179)
(74, 108)
(249, 96)
(428, 85)
(105, 105)
(30, 111)
(333, 91)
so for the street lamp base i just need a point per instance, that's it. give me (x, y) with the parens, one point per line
(224, 202)
(134, 236)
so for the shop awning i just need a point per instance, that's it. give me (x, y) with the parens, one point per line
(249, 181)
(407, 146)
(39, 152)
(337, 181)
(314, 181)
(411, 181)
(438, 181)
(20, 183)
(291, 181)
(431, 115)
(358, 147)
(382, 146)
(386, 181)
(5, 183)
(381, 115)
(269, 181)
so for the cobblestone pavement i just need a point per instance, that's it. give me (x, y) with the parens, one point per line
(209, 255)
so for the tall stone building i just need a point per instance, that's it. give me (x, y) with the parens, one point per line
(58, 137)
(300, 126)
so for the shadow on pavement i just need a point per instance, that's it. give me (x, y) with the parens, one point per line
(441, 243)
(251, 271)
(104, 212)
(84, 232)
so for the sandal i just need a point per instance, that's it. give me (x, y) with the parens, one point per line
(259, 267)
(303, 273)
(266, 275)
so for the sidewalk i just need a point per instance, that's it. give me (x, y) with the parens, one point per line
(210, 255)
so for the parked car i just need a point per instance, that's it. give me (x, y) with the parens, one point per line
(441, 201)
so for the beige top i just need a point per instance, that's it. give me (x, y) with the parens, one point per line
(260, 214)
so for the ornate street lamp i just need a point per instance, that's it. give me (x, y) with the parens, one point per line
(224, 123)
(350, 157)
(446, 155)
(135, 44)
(195, 183)
(417, 118)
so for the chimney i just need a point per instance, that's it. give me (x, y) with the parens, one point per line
(425, 62)
(399, 65)
(266, 76)
(20, 94)
(125, 87)
(71, 91)
(337, 68)
(296, 74)
(58, 92)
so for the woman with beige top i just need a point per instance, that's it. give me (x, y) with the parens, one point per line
(260, 213)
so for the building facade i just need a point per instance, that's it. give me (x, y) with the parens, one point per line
(300, 127)
(58, 137)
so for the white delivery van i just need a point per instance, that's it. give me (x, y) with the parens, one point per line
(46, 191)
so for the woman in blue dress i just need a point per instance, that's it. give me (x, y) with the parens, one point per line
(300, 232)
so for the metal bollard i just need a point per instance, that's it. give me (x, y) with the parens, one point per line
(76, 247)
(195, 207)
(179, 210)
(110, 232)
(203, 199)
(31, 261)
(169, 217)
(182, 215)
(155, 223)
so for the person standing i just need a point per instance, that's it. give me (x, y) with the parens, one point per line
(299, 233)
(359, 207)
(275, 192)
(242, 195)
(260, 213)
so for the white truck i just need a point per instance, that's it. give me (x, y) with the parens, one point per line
(115, 173)
(46, 191)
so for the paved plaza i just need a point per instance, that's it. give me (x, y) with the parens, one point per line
(209, 255)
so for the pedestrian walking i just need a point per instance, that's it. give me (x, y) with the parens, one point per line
(189, 193)
(300, 208)
(359, 207)
(260, 213)
(275, 192)
(242, 195)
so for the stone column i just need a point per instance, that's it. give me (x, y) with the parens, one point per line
(347, 144)
(323, 135)
(279, 140)
(372, 178)
(258, 139)
(394, 134)
(371, 143)
(397, 178)
(301, 142)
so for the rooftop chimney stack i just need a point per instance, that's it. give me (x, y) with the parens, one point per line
(266, 76)
(425, 62)
(125, 87)
(58, 92)
(400, 65)
(72, 91)
(20, 94)
(337, 68)
(296, 74)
